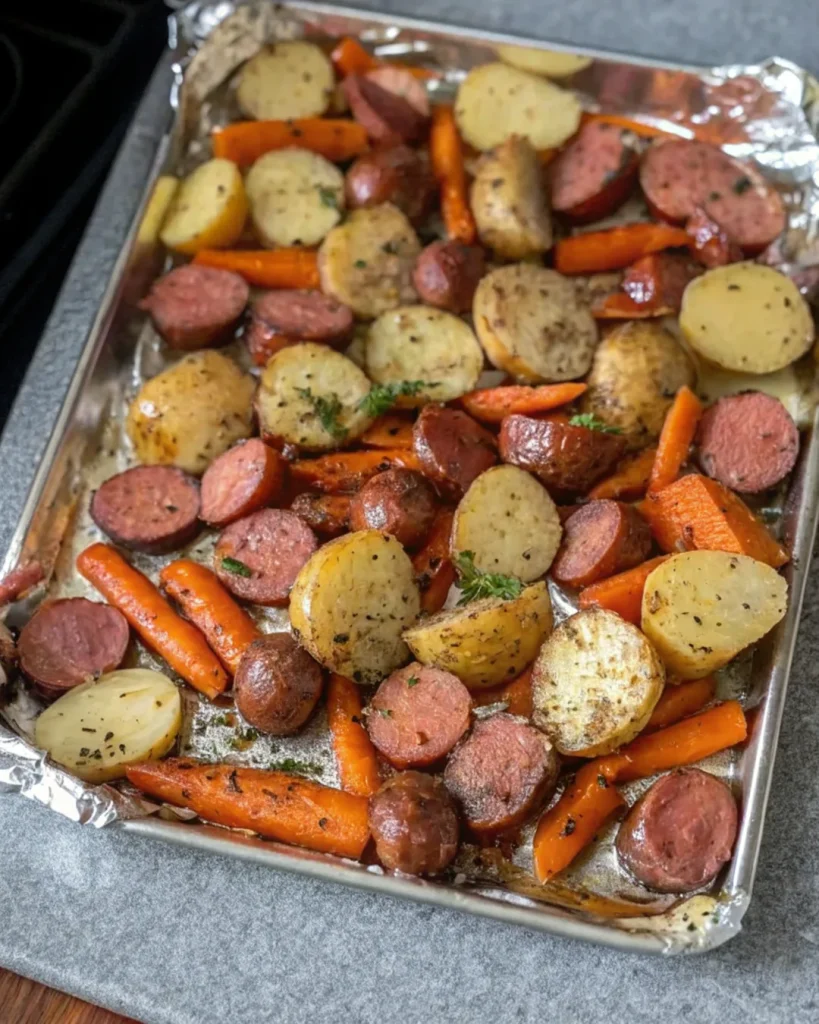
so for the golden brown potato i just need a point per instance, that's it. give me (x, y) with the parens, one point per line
(551, 63)
(286, 80)
(208, 209)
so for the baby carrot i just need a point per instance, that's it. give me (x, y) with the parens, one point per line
(345, 472)
(266, 268)
(447, 157)
(676, 438)
(517, 695)
(622, 593)
(490, 405)
(355, 755)
(614, 248)
(434, 571)
(244, 142)
(629, 480)
(679, 701)
(391, 430)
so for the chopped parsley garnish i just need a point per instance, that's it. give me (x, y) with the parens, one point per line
(290, 764)
(591, 422)
(361, 264)
(382, 397)
(413, 681)
(742, 185)
(236, 567)
(475, 584)
(327, 410)
(328, 197)
(385, 712)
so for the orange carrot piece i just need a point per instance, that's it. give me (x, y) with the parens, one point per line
(447, 157)
(434, 571)
(350, 58)
(683, 743)
(676, 438)
(572, 823)
(698, 514)
(345, 472)
(490, 405)
(355, 755)
(680, 701)
(646, 131)
(517, 695)
(276, 805)
(228, 629)
(244, 142)
(266, 268)
(615, 248)
(391, 430)
(179, 642)
(620, 306)
(622, 593)
(629, 480)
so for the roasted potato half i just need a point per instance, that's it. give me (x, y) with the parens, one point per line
(595, 683)
(208, 209)
(551, 63)
(286, 80)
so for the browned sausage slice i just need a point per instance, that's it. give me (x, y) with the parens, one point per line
(327, 514)
(193, 307)
(660, 279)
(19, 580)
(277, 685)
(392, 174)
(400, 502)
(680, 832)
(154, 509)
(385, 116)
(417, 715)
(748, 442)
(452, 448)
(402, 83)
(242, 480)
(304, 314)
(414, 824)
(602, 538)
(502, 772)
(595, 174)
(567, 459)
(70, 641)
(259, 557)
(447, 273)
(678, 176)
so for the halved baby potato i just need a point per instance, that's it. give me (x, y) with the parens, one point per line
(551, 63)
(418, 343)
(286, 80)
(98, 728)
(208, 210)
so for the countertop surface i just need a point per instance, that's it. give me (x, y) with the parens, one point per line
(171, 936)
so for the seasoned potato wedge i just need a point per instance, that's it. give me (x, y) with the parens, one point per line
(156, 210)
(532, 324)
(367, 262)
(96, 729)
(488, 641)
(509, 523)
(285, 80)
(701, 608)
(295, 197)
(415, 343)
(551, 63)
(191, 412)
(509, 201)
(495, 101)
(746, 317)
(352, 601)
(595, 683)
(208, 210)
(309, 396)
(637, 370)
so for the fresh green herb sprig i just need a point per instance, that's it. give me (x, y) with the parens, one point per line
(475, 584)
(236, 567)
(327, 409)
(328, 197)
(382, 397)
(295, 767)
(591, 422)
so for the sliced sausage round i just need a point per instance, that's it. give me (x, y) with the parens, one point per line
(678, 176)
(385, 116)
(680, 832)
(263, 342)
(242, 480)
(414, 824)
(392, 174)
(69, 641)
(327, 514)
(501, 773)
(259, 557)
(595, 174)
(19, 580)
(748, 442)
(400, 502)
(277, 685)
(417, 715)
(709, 242)
(567, 459)
(447, 273)
(402, 83)
(600, 539)
(660, 279)
(304, 314)
(154, 509)
(452, 448)
(194, 307)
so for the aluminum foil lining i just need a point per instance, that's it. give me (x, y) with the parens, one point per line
(767, 113)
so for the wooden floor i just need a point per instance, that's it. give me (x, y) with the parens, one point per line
(25, 1002)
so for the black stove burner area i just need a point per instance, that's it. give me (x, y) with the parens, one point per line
(71, 74)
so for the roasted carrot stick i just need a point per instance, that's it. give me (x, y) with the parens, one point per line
(676, 438)
(245, 141)
(680, 701)
(228, 628)
(355, 755)
(490, 405)
(179, 642)
(568, 827)
(517, 695)
(345, 472)
(389, 431)
(434, 572)
(446, 154)
(646, 131)
(629, 480)
(350, 58)
(622, 593)
(698, 514)
(614, 248)
(276, 805)
(266, 268)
